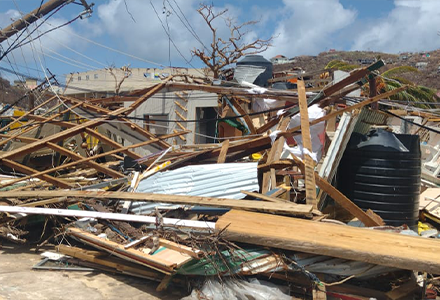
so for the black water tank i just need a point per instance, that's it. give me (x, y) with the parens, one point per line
(260, 61)
(381, 171)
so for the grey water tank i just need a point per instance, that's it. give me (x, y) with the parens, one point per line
(260, 61)
(382, 172)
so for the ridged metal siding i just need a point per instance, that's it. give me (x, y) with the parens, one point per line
(213, 180)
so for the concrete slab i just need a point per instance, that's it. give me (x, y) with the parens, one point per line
(19, 281)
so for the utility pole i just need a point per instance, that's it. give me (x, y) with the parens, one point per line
(34, 16)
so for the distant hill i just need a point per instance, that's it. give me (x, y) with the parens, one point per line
(427, 76)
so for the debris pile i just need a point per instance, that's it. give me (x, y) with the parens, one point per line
(281, 193)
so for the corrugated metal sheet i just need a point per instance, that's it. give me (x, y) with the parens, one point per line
(369, 117)
(213, 180)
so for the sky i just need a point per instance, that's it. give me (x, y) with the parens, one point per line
(160, 33)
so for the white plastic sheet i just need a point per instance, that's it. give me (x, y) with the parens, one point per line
(237, 289)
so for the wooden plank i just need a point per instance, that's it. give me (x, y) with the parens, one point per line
(26, 114)
(264, 197)
(101, 259)
(223, 152)
(360, 244)
(34, 173)
(245, 115)
(91, 163)
(404, 291)
(71, 164)
(309, 163)
(283, 208)
(350, 108)
(269, 177)
(118, 250)
(33, 127)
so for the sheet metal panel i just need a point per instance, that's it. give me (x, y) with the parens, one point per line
(212, 180)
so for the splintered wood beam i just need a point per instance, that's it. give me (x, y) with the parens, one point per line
(346, 242)
(181, 106)
(26, 114)
(245, 115)
(269, 177)
(348, 109)
(261, 206)
(91, 132)
(34, 173)
(148, 94)
(180, 115)
(265, 197)
(271, 123)
(75, 156)
(91, 163)
(71, 164)
(224, 150)
(103, 111)
(34, 126)
(310, 184)
(115, 145)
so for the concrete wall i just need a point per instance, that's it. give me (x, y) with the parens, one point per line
(102, 81)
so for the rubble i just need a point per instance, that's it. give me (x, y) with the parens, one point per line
(247, 206)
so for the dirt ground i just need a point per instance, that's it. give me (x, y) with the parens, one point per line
(19, 281)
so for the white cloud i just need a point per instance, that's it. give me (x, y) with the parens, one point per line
(307, 27)
(145, 36)
(410, 26)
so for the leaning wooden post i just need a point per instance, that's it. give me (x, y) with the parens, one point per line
(307, 145)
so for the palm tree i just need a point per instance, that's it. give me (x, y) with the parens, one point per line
(390, 80)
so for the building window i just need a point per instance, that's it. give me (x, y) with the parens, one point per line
(156, 124)
(79, 78)
(87, 77)
(95, 76)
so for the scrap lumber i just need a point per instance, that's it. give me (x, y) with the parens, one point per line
(349, 108)
(32, 172)
(165, 261)
(16, 120)
(121, 117)
(243, 113)
(84, 160)
(234, 91)
(31, 127)
(224, 150)
(269, 177)
(279, 208)
(309, 163)
(103, 259)
(264, 197)
(360, 244)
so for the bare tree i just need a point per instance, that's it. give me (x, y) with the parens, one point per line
(225, 52)
(118, 82)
